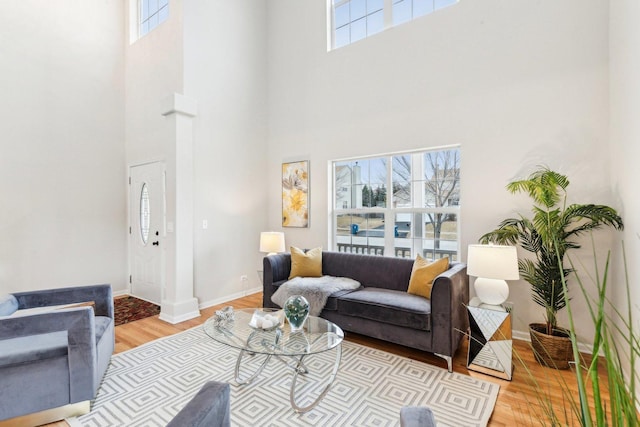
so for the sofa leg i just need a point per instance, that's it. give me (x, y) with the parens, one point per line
(449, 360)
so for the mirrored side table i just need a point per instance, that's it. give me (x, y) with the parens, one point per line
(490, 341)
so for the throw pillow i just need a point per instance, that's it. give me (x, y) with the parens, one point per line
(423, 274)
(306, 264)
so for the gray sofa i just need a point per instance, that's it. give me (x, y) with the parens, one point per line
(381, 308)
(52, 362)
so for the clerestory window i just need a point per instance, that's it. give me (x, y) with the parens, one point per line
(398, 205)
(151, 13)
(353, 20)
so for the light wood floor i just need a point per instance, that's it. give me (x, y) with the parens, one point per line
(517, 402)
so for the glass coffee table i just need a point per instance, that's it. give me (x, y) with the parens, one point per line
(258, 345)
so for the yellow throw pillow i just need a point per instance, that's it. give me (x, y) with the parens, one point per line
(423, 274)
(307, 264)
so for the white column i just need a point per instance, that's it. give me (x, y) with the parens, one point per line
(178, 303)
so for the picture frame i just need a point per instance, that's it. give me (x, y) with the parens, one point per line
(295, 194)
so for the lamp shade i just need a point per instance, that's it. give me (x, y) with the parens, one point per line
(272, 241)
(492, 265)
(493, 262)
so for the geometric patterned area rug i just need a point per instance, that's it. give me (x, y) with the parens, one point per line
(148, 385)
(128, 309)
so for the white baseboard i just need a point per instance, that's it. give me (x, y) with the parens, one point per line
(121, 293)
(228, 298)
(176, 312)
(177, 319)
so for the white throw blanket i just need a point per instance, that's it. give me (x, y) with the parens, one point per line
(315, 289)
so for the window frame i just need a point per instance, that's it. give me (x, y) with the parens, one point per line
(388, 19)
(140, 20)
(335, 4)
(390, 212)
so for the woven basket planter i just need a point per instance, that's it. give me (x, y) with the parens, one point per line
(555, 350)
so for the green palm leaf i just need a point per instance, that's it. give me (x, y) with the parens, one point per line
(548, 234)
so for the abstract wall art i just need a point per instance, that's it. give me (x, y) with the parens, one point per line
(295, 194)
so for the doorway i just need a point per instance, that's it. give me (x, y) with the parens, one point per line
(147, 231)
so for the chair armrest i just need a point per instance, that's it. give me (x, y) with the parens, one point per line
(449, 298)
(416, 416)
(210, 407)
(41, 323)
(102, 295)
(79, 322)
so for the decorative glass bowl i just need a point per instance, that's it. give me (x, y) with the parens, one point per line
(296, 308)
(267, 320)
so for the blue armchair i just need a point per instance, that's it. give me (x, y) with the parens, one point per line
(52, 361)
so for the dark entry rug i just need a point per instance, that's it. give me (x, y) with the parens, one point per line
(128, 309)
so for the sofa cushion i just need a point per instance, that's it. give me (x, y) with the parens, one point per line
(33, 347)
(388, 306)
(332, 301)
(306, 264)
(423, 273)
(376, 271)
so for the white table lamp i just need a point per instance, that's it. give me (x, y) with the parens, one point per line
(272, 242)
(492, 265)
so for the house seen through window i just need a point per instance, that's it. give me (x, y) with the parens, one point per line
(398, 205)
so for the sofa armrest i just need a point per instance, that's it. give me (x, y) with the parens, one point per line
(79, 322)
(449, 298)
(102, 295)
(275, 268)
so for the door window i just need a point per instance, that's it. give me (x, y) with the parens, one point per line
(145, 213)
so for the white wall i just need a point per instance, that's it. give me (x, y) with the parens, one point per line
(153, 74)
(625, 143)
(225, 71)
(61, 169)
(516, 84)
(153, 71)
(213, 53)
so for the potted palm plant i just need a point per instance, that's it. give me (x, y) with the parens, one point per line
(552, 230)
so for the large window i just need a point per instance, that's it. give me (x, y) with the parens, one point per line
(151, 13)
(398, 205)
(353, 20)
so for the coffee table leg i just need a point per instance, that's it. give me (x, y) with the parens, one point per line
(255, 374)
(301, 369)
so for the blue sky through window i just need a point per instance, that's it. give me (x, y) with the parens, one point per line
(357, 19)
(152, 14)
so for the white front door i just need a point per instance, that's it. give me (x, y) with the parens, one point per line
(146, 231)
